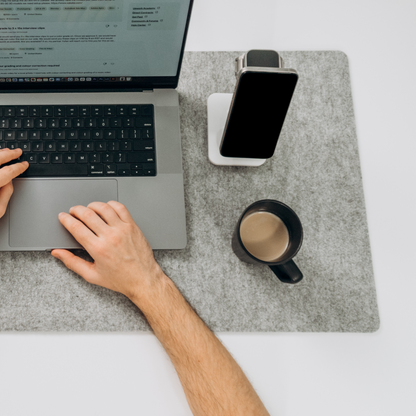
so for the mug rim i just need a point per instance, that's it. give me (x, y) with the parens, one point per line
(269, 263)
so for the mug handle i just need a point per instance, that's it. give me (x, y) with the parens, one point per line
(288, 272)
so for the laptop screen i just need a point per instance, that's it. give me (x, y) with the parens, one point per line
(93, 44)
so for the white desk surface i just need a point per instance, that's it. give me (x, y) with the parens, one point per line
(294, 374)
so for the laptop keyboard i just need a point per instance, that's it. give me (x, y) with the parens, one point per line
(81, 140)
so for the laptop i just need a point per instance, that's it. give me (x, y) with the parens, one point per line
(87, 90)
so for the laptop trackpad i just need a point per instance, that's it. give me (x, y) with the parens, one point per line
(36, 203)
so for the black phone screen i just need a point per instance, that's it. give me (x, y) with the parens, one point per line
(260, 106)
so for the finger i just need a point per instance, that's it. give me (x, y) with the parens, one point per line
(6, 155)
(80, 232)
(7, 173)
(5, 194)
(121, 211)
(89, 218)
(105, 211)
(82, 267)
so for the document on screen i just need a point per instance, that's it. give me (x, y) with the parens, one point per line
(59, 38)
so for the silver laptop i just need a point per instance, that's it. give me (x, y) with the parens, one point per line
(87, 90)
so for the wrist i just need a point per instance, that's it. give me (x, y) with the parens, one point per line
(150, 289)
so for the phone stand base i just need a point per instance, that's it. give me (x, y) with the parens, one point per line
(218, 107)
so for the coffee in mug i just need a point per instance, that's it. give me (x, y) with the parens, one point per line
(264, 235)
(270, 233)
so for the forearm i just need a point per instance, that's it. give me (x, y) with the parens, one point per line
(213, 382)
(123, 261)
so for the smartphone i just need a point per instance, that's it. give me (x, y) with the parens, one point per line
(258, 109)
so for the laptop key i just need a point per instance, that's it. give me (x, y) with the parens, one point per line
(50, 147)
(79, 123)
(65, 123)
(149, 166)
(90, 122)
(69, 158)
(37, 146)
(63, 146)
(123, 172)
(121, 110)
(88, 146)
(53, 123)
(82, 158)
(60, 111)
(149, 172)
(34, 111)
(56, 170)
(95, 158)
(147, 110)
(28, 123)
(72, 135)
(75, 146)
(109, 134)
(110, 168)
(10, 135)
(46, 111)
(72, 111)
(108, 157)
(34, 135)
(134, 110)
(143, 145)
(9, 112)
(125, 145)
(96, 110)
(96, 169)
(40, 123)
(44, 158)
(21, 111)
(16, 123)
(46, 134)
(97, 135)
(101, 146)
(84, 111)
(109, 110)
(57, 158)
(59, 134)
(25, 146)
(21, 135)
(137, 157)
(147, 133)
(113, 146)
(84, 134)
(32, 159)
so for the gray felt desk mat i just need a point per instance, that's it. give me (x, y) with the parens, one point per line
(315, 170)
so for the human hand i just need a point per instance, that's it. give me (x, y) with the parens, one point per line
(123, 259)
(7, 173)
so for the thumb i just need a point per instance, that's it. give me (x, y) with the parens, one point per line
(82, 267)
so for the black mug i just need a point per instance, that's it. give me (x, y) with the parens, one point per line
(283, 267)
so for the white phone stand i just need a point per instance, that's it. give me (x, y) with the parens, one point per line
(218, 108)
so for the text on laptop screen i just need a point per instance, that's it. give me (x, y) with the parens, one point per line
(93, 40)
